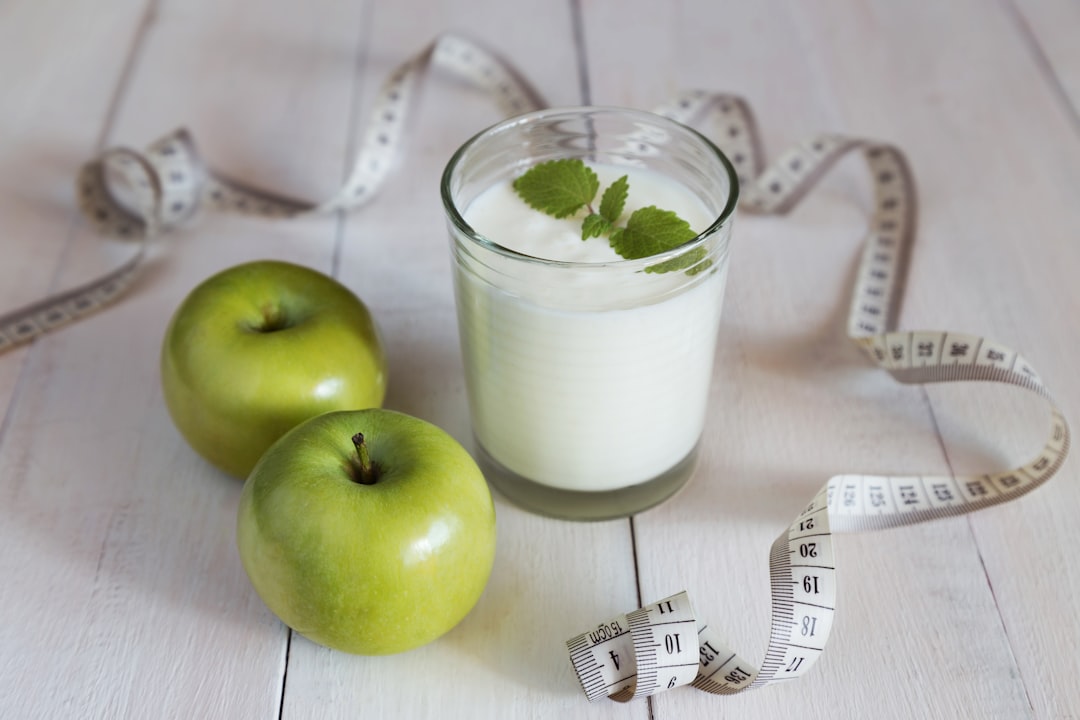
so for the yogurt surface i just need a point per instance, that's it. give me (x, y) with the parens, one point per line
(587, 399)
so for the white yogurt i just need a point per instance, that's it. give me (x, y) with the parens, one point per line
(575, 381)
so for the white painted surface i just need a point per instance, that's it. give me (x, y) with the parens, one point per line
(122, 595)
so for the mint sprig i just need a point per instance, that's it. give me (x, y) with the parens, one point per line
(562, 188)
(558, 187)
(614, 199)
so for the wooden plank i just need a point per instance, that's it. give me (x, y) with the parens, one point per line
(52, 59)
(792, 404)
(507, 659)
(1050, 28)
(996, 257)
(130, 600)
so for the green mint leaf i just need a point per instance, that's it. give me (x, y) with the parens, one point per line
(594, 226)
(691, 262)
(561, 188)
(558, 187)
(614, 200)
(651, 231)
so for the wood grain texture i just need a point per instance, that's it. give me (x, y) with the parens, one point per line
(123, 595)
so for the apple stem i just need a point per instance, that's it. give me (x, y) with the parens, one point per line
(366, 471)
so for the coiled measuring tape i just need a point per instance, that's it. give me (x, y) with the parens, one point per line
(662, 645)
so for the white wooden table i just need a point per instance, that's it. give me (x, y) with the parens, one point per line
(121, 591)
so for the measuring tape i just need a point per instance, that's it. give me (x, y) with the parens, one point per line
(662, 645)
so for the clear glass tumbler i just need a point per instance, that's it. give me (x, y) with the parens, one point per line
(588, 381)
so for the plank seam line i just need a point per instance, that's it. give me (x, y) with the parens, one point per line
(637, 588)
(1042, 61)
(149, 14)
(353, 132)
(1001, 620)
(577, 26)
(285, 672)
(978, 550)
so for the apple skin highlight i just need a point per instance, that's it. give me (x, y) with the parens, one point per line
(257, 349)
(370, 569)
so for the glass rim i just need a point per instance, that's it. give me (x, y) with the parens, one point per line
(483, 241)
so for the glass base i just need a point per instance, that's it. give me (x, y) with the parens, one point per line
(578, 505)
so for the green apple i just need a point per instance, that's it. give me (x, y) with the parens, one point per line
(257, 349)
(370, 531)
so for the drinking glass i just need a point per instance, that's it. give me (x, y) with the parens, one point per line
(588, 382)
